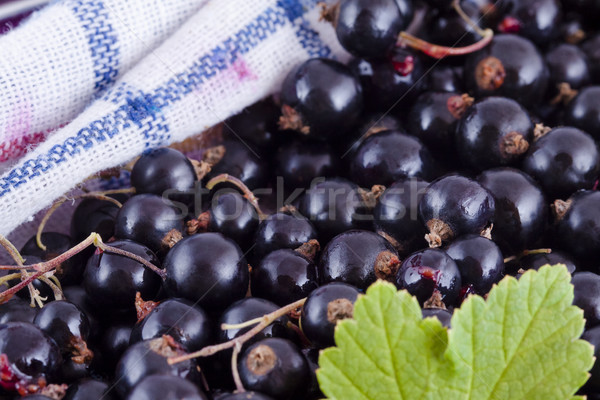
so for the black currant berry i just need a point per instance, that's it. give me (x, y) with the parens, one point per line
(479, 261)
(434, 116)
(164, 171)
(568, 64)
(112, 343)
(521, 208)
(298, 162)
(358, 258)
(256, 125)
(455, 205)
(282, 230)
(112, 280)
(68, 272)
(275, 367)
(321, 97)
(387, 83)
(578, 229)
(537, 20)
(324, 307)
(149, 220)
(283, 277)
(591, 47)
(428, 271)
(207, 268)
(150, 358)
(493, 132)
(243, 163)
(334, 206)
(17, 310)
(186, 323)
(510, 66)
(27, 357)
(69, 327)
(88, 389)
(446, 28)
(233, 216)
(94, 215)
(312, 358)
(387, 156)
(563, 161)
(593, 337)
(536, 261)
(587, 296)
(444, 316)
(396, 215)
(583, 111)
(165, 387)
(370, 124)
(369, 28)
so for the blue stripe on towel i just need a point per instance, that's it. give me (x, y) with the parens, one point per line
(102, 40)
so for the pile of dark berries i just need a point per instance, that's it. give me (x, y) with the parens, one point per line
(459, 145)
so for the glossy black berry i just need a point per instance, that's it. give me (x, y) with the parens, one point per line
(593, 337)
(583, 111)
(446, 78)
(275, 367)
(27, 356)
(148, 219)
(186, 323)
(17, 310)
(88, 389)
(370, 123)
(445, 27)
(112, 343)
(149, 358)
(568, 64)
(163, 171)
(207, 268)
(444, 316)
(578, 230)
(165, 387)
(479, 261)
(434, 116)
(427, 271)
(396, 81)
(334, 206)
(282, 230)
(455, 205)
(396, 215)
(493, 132)
(324, 307)
(521, 208)
(587, 296)
(243, 163)
(312, 358)
(233, 216)
(387, 156)
(322, 98)
(536, 261)
(510, 66)
(537, 20)
(94, 215)
(358, 258)
(591, 47)
(563, 161)
(369, 28)
(299, 162)
(256, 125)
(111, 280)
(69, 272)
(69, 327)
(283, 277)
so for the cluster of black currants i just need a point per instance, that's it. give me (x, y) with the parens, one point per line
(222, 277)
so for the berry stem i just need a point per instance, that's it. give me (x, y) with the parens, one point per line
(56, 291)
(246, 324)
(104, 247)
(239, 386)
(55, 206)
(248, 195)
(526, 253)
(267, 320)
(462, 14)
(435, 51)
(12, 250)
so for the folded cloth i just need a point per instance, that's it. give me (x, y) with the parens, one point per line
(182, 71)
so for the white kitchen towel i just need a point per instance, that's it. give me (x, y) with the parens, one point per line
(226, 56)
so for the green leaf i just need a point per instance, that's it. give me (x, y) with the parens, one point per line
(521, 343)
